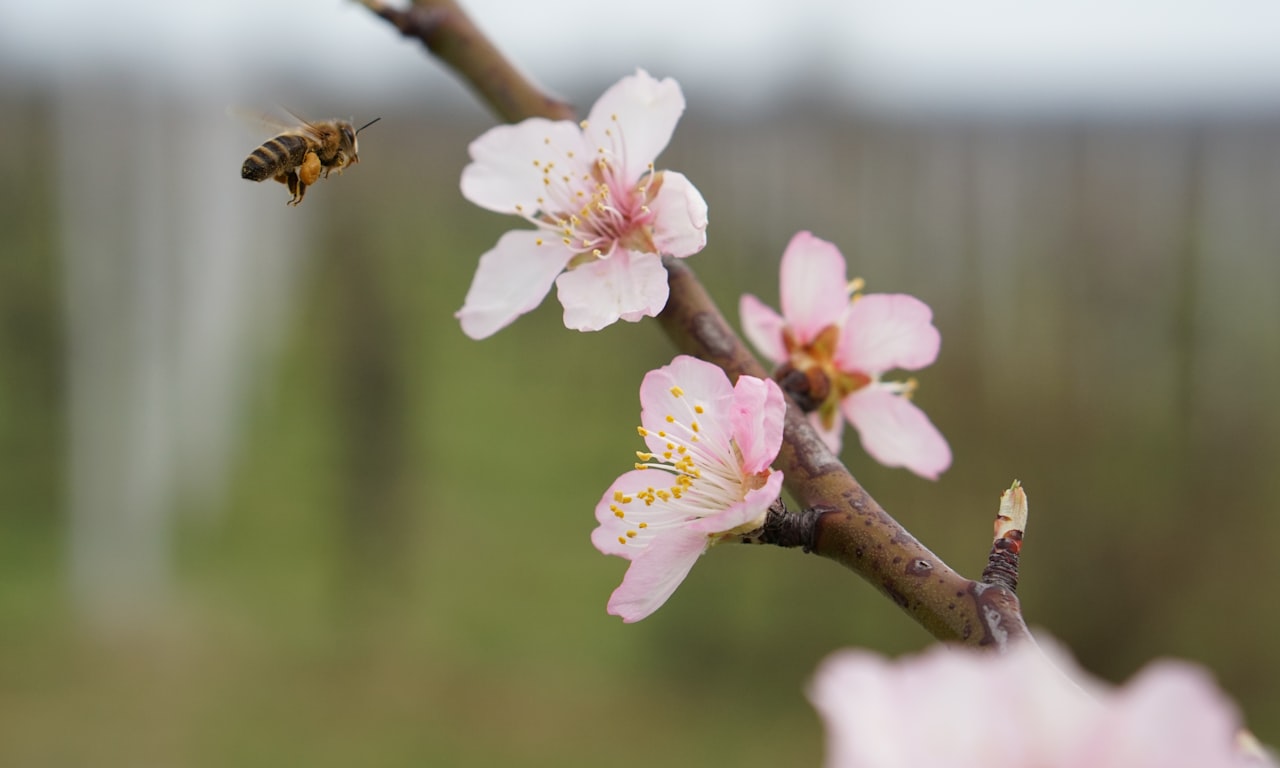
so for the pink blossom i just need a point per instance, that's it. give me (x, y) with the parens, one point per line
(843, 343)
(963, 709)
(603, 216)
(703, 479)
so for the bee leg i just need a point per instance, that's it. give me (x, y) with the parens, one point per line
(309, 171)
(296, 187)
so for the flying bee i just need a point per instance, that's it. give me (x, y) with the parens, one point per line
(301, 154)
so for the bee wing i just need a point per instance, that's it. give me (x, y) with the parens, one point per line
(274, 123)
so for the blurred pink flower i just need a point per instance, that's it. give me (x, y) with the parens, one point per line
(704, 478)
(963, 709)
(843, 343)
(604, 216)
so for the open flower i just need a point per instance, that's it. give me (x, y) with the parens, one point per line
(704, 479)
(965, 709)
(603, 216)
(842, 342)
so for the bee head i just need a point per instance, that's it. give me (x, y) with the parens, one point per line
(349, 137)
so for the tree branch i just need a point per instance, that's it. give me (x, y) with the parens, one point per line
(852, 528)
(842, 521)
(451, 36)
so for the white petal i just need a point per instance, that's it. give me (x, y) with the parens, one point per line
(654, 574)
(884, 331)
(508, 163)
(680, 217)
(896, 433)
(762, 327)
(646, 112)
(512, 279)
(625, 286)
(700, 384)
(813, 286)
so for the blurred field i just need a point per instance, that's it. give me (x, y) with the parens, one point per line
(393, 567)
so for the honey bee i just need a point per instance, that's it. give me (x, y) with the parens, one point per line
(301, 154)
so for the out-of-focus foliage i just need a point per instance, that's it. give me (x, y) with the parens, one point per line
(399, 571)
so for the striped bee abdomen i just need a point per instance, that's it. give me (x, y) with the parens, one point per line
(281, 154)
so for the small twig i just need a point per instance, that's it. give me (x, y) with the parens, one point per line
(784, 528)
(451, 36)
(1011, 522)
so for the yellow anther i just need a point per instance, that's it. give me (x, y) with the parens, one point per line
(569, 154)
(694, 426)
(537, 163)
(614, 118)
(638, 465)
(622, 540)
(697, 409)
(643, 525)
(631, 534)
(618, 512)
(538, 241)
(671, 419)
(641, 455)
(642, 431)
(583, 125)
(676, 391)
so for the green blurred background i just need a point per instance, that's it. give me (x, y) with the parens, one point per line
(262, 503)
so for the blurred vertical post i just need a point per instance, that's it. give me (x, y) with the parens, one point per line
(168, 301)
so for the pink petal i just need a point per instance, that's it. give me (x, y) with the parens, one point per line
(512, 279)
(763, 328)
(700, 383)
(647, 111)
(680, 216)
(658, 518)
(757, 414)
(884, 331)
(813, 286)
(1171, 715)
(626, 285)
(896, 433)
(752, 509)
(503, 175)
(654, 575)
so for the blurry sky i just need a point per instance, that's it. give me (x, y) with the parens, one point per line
(907, 54)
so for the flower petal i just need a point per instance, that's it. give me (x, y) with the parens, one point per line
(512, 279)
(885, 331)
(700, 384)
(757, 414)
(813, 286)
(626, 285)
(634, 120)
(503, 173)
(762, 327)
(896, 433)
(1171, 715)
(680, 216)
(654, 575)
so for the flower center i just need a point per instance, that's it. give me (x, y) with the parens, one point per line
(704, 478)
(590, 205)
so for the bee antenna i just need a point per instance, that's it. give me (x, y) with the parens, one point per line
(366, 125)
